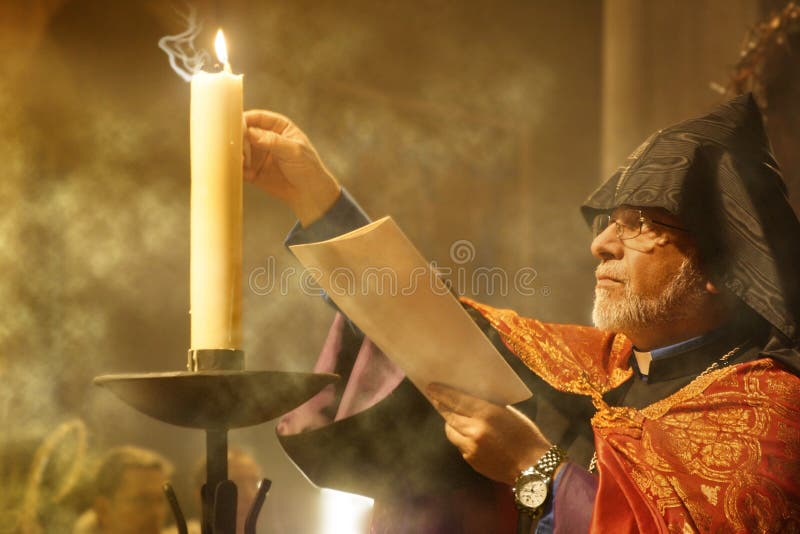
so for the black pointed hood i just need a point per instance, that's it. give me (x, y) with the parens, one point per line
(717, 174)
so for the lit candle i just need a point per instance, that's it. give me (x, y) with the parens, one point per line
(216, 207)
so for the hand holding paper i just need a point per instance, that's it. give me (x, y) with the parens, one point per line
(497, 441)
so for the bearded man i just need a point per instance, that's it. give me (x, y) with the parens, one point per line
(685, 394)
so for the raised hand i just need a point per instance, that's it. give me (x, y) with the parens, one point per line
(284, 163)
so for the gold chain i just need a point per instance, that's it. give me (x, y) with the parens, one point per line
(593, 462)
(722, 361)
(713, 367)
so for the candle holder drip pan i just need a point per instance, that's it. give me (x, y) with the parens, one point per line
(216, 400)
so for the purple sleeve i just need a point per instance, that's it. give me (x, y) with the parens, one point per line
(573, 500)
(372, 378)
(372, 375)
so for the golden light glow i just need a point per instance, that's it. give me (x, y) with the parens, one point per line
(345, 513)
(219, 46)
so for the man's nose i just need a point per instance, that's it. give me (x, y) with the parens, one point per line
(606, 245)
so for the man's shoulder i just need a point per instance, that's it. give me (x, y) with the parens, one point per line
(760, 386)
(765, 378)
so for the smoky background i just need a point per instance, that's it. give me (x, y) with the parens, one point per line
(485, 122)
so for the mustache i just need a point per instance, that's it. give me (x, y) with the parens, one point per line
(613, 270)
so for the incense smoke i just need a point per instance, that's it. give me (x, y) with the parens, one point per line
(184, 58)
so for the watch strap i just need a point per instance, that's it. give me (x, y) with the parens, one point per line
(548, 463)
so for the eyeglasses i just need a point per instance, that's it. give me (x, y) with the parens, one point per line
(629, 223)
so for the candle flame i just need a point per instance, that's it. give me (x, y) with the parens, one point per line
(222, 50)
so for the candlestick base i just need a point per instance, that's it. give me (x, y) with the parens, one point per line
(215, 399)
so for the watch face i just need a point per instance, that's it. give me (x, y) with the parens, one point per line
(532, 493)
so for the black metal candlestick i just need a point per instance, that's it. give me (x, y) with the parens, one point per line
(216, 394)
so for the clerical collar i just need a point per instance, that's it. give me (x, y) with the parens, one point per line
(684, 358)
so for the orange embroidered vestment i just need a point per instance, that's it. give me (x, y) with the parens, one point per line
(720, 455)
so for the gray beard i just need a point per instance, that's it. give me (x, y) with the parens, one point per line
(632, 311)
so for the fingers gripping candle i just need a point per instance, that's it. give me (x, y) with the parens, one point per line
(216, 208)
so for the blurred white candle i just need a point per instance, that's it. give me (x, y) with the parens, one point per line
(216, 206)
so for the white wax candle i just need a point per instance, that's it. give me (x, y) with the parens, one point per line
(216, 210)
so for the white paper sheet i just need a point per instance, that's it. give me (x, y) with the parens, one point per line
(379, 279)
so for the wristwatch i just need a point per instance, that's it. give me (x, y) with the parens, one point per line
(532, 484)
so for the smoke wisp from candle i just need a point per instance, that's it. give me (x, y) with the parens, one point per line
(184, 58)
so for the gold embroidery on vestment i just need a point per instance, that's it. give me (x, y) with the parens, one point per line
(718, 455)
(710, 492)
